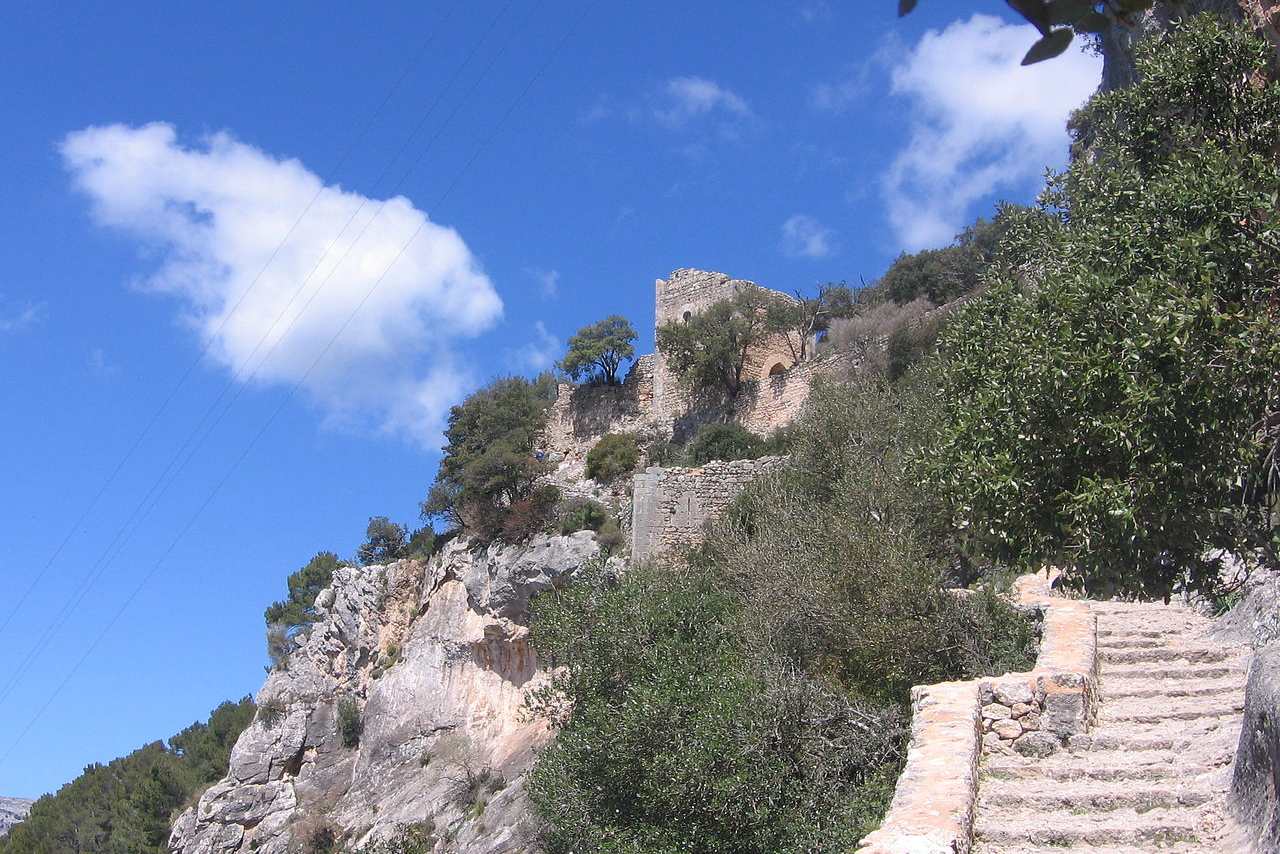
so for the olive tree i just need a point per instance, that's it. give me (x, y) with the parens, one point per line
(598, 351)
(710, 349)
(1105, 400)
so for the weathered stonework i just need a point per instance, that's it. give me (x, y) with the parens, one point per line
(653, 403)
(671, 506)
(582, 414)
(775, 401)
(955, 723)
(932, 809)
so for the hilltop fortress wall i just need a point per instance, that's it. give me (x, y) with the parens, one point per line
(667, 508)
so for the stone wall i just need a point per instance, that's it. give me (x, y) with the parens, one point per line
(776, 401)
(683, 294)
(582, 414)
(671, 506)
(955, 723)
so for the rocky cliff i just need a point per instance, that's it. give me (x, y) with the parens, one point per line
(433, 662)
(12, 811)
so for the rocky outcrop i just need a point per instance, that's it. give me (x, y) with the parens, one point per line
(435, 658)
(1256, 775)
(12, 811)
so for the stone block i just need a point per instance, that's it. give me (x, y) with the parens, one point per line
(1021, 709)
(1007, 729)
(1012, 693)
(1037, 745)
(996, 712)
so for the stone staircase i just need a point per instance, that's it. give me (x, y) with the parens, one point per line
(1153, 774)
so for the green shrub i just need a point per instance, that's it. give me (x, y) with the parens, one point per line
(530, 515)
(664, 452)
(271, 712)
(909, 345)
(350, 721)
(279, 646)
(582, 514)
(1103, 400)
(674, 739)
(615, 455)
(323, 840)
(304, 586)
(489, 463)
(609, 535)
(724, 442)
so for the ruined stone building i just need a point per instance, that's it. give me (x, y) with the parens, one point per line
(664, 508)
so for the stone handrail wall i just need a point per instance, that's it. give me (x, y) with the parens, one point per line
(954, 723)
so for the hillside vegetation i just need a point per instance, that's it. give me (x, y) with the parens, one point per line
(125, 806)
(1101, 402)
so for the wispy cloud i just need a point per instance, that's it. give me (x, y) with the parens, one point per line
(99, 365)
(687, 98)
(980, 123)
(548, 282)
(805, 237)
(395, 288)
(539, 354)
(22, 318)
(814, 11)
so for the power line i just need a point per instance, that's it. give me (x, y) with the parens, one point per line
(415, 58)
(298, 385)
(239, 380)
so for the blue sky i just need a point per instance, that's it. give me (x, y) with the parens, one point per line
(463, 185)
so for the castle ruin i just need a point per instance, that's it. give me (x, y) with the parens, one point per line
(665, 508)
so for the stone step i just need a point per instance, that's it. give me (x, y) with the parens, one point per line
(1095, 796)
(1152, 712)
(1113, 673)
(1133, 765)
(1107, 635)
(1125, 642)
(1064, 828)
(983, 848)
(1151, 688)
(1167, 653)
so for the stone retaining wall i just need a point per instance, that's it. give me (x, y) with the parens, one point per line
(671, 506)
(954, 723)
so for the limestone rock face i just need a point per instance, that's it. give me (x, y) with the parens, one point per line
(436, 657)
(1257, 766)
(12, 811)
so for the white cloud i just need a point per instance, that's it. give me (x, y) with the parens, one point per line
(815, 11)
(23, 318)
(981, 123)
(548, 282)
(540, 354)
(99, 365)
(216, 213)
(686, 98)
(805, 237)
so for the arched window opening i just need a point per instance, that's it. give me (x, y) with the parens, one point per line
(777, 370)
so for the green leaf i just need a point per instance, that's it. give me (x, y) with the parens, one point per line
(1050, 46)
(906, 7)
